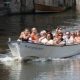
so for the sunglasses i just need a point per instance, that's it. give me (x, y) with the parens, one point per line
(60, 29)
(60, 35)
(72, 34)
(67, 34)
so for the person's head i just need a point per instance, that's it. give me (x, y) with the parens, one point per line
(77, 32)
(49, 36)
(60, 35)
(59, 29)
(34, 30)
(68, 34)
(73, 34)
(55, 35)
(48, 30)
(43, 33)
(26, 31)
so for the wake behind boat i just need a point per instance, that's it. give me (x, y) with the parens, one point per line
(39, 8)
(22, 50)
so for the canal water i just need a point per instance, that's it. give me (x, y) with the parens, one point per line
(37, 69)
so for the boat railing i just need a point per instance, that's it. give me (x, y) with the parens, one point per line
(58, 45)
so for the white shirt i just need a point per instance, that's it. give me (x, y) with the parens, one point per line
(50, 42)
(68, 40)
(44, 40)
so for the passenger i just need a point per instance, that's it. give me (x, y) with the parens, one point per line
(49, 39)
(25, 36)
(68, 38)
(60, 30)
(42, 38)
(57, 31)
(22, 33)
(55, 36)
(78, 36)
(60, 39)
(33, 35)
(74, 38)
(48, 30)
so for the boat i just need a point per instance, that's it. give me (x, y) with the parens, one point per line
(39, 8)
(23, 50)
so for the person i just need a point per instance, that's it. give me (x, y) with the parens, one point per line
(49, 39)
(60, 4)
(57, 31)
(68, 38)
(48, 30)
(77, 35)
(60, 40)
(22, 33)
(42, 38)
(25, 36)
(73, 35)
(33, 35)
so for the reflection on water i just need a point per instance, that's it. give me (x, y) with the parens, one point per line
(52, 70)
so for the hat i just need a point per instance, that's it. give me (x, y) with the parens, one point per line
(43, 31)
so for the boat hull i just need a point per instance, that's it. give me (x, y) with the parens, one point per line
(44, 8)
(22, 50)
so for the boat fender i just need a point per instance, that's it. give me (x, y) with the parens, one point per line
(9, 39)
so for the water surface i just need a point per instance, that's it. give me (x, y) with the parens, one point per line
(39, 69)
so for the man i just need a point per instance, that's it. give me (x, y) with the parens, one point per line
(68, 38)
(33, 35)
(60, 40)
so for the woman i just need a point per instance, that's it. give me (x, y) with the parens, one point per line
(73, 35)
(42, 38)
(25, 36)
(49, 39)
(57, 31)
(77, 35)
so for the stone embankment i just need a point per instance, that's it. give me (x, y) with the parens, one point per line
(27, 6)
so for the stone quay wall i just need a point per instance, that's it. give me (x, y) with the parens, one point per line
(18, 6)
(78, 5)
(21, 6)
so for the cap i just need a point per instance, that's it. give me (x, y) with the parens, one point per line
(43, 31)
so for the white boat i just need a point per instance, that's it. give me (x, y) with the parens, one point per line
(23, 50)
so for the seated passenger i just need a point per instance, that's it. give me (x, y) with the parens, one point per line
(49, 39)
(78, 36)
(42, 38)
(33, 35)
(60, 39)
(25, 36)
(55, 36)
(22, 33)
(57, 31)
(73, 35)
(68, 38)
(48, 30)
